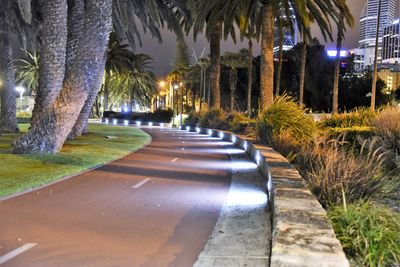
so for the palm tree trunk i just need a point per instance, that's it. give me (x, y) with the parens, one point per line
(215, 68)
(233, 84)
(280, 63)
(375, 71)
(106, 91)
(75, 21)
(81, 123)
(50, 131)
(335, 93)
(8, 112)
(267, 57)
(302, 72)
(52, 55)
(249, 77)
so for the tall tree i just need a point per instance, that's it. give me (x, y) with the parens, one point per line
(27, 71)
(375, 70)
(8, 119)
(234, 60)
(50, 130)
(341, 18)
(52, 54)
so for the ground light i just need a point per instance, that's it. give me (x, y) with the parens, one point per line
(233, 139)
(106, 121)
(258, 158)
(245, 145)
(221, 135)
(138, 123)
(187, 128)
(161, 124)
(210, 132)
(150, 124)
(197, 130)
(115, 121)
(126, 122)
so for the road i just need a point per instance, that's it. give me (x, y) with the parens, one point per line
(155, 207)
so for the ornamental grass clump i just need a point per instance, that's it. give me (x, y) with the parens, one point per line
(387, 126)
(285, 120)
(370, 234)
(337, 174)
(214, 119)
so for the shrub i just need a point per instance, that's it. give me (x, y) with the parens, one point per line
(285, 117)
(193, 119)
(332, 171)
(352, 134)
(387, 125)
(238, 122)
(370, 234)
(358, 117)
(24, 116)
(214, 119)
(160, 115)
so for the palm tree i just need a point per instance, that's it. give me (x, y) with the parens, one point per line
(118, 60)
(27, 71)
(49, 132)
(52, 54)
(234, 61)
(208, 15)
(375, 71)
(204, 63)
(8, 119)
(136, 84)
(341, 18)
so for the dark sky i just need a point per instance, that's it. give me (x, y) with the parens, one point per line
(163, 53)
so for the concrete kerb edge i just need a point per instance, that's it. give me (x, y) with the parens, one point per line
(76, 174)
(295, 241)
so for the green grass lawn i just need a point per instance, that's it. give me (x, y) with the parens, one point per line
(22, 172)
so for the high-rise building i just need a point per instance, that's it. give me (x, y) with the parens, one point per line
(289, 37)
(391, 43)
(368, 23)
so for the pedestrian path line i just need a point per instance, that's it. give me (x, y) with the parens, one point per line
(8, 256)
(136, 186)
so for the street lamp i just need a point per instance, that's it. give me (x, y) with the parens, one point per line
(175, 87)
(21, 91)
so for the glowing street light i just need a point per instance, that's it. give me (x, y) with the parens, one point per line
(162, 84)
(21, 91)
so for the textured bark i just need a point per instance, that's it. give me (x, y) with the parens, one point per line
(233, 85)
(302, 72)
(267, 57)
(335, 93)
(249, 77)
(8, 116)
(52, 55)
(375, 70)
(49, 133)
(215, 67)
(75, 23)
(278, 74)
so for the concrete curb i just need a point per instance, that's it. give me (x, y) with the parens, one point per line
(301, 233)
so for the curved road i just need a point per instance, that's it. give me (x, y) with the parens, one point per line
(155, 207)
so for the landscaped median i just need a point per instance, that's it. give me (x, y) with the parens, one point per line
(301, 232)
(103, 143)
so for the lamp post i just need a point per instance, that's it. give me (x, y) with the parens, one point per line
(180, 118)
(175, 87)
(21, 91)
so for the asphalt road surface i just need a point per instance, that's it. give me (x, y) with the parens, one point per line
(155, 207)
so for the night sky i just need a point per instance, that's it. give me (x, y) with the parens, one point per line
(163, 54)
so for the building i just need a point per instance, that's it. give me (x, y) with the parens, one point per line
(390, 74)
(289, 37)
(368, 23)
(391, 43)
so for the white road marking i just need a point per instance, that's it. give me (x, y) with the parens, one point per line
(175, 159)
(182, 148)
(136, 186)
(16, 252)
